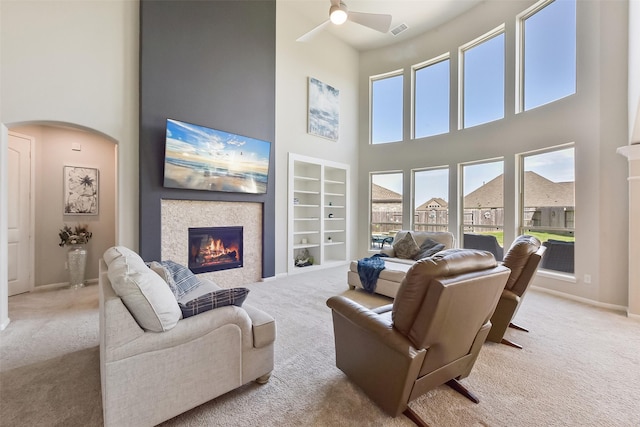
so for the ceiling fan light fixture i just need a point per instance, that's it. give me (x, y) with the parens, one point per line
(338, 14)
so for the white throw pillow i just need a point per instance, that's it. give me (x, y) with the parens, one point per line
(144, 293)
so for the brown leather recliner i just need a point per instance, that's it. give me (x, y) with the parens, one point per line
(431, 334)
(523, 259)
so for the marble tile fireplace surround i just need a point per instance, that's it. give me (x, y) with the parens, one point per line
(177, 216)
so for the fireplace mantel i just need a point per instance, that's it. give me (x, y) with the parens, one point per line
(178, 216)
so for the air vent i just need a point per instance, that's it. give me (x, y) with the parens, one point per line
(400, 28)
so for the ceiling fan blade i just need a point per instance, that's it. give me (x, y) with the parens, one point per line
(310, 34)
(376, 21)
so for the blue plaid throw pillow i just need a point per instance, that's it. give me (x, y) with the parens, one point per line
(180, 279)
(219, 298)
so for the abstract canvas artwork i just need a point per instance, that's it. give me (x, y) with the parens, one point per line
(324, 110)
(80, 190)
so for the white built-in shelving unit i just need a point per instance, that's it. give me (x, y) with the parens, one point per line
(318, 212)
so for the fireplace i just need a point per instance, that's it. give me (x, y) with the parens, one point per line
(215, 248)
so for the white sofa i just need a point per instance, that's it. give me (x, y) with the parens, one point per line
(149, 377)
(396, 268)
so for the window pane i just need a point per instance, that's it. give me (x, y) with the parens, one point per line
(549, 205)
(483, 207)
(550, 54)
(484, 82)
(431, 189)
(386, 208)
(386, 110)
(432, 100)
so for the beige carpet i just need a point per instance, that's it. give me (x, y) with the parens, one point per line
(580, 366)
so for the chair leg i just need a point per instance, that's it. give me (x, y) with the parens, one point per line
(455, 384)
(409, 413)
(510, 343)
(520, 328)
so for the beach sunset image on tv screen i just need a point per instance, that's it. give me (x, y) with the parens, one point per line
(201, 158)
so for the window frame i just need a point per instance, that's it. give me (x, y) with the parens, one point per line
(372, 79)
(500, 29)
(414, 69)
(413, 206)
(370, 197)
(520, 56)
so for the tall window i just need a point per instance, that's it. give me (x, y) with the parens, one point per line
(431, 97)
(386, 207)
(386, 108)
(430, 200)
(482, 83)
(483, 206)
(548, 205)
(548, 70)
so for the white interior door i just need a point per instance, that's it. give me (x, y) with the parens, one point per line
(19, 214)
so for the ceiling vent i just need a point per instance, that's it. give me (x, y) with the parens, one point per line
(400, 28)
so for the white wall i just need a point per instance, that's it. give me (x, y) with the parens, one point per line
(75, 62)
(331, 61)
(595, 118)
(634, 71)
(53, 151)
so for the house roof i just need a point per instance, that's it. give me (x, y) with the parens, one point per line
(434, 200)
(381, 194)
(539, 191)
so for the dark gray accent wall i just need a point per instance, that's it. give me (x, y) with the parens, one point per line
(211, 63)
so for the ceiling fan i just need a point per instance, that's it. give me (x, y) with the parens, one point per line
(339, 14)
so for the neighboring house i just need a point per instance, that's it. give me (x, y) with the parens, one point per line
(546, 202)
(386, 209)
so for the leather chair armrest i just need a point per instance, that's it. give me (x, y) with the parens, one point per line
(383, 309)
(367, 319)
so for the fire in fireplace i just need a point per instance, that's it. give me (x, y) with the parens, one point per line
(215, 248)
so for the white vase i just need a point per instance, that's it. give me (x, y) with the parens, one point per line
(77, 262)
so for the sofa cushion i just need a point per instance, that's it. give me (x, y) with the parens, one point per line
(143, 292)
(215, 299)
(428, 248)
(180, 279)
(518, 256)
(406, 247)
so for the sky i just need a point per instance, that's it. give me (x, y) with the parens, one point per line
(550, 74)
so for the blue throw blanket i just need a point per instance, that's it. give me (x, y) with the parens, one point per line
(369, 269)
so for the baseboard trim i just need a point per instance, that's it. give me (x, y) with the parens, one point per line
(55, 286)
(582, 300)
(4, 325)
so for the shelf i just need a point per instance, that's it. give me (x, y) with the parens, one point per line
(318, 188)
(305, 246)
(306, 178)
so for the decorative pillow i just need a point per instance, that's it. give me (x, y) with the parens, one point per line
(143, 292)
(159, 269)
(219, 298)
(406, 247)
(180, 279)
(428, 248)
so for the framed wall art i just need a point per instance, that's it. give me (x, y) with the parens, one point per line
(80, 190)
(324, 110)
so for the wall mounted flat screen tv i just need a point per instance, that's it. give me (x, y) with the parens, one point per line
(201, 158)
